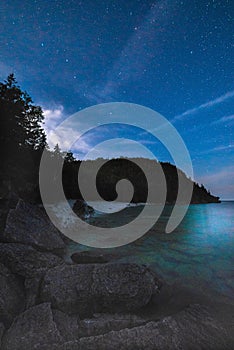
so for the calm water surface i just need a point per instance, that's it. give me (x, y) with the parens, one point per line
(199, 253)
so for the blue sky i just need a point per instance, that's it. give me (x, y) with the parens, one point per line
(175, 57)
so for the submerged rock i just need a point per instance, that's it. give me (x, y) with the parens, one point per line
(28, 224)
(87, 257)
(12, 297)
(86, 289)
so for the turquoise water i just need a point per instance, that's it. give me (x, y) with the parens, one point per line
(198, 254)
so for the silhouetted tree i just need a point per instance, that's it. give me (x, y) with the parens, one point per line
(22, 138)
(69, 157)
(57, 153)
(20, 120)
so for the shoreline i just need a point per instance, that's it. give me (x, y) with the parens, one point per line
(102, 302)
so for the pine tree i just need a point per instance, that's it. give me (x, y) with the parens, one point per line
(20, 120)
(69, 157)
(22, 138)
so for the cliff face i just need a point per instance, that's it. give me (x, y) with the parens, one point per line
(117, 169)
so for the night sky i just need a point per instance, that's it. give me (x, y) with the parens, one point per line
(175, 57)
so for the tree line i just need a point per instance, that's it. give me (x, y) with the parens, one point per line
(23, 140)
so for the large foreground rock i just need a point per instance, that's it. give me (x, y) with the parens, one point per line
(28, 224)
(191, 329)
(195, 328)
(8, 200)
(72, 328)
(25, 260)
(2, 330)
(40, 326)
(31, 329)
(86, 289)
(12, 297)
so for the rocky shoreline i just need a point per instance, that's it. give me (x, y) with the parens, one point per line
(92, 302)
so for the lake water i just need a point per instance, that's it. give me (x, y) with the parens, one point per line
(198, 254)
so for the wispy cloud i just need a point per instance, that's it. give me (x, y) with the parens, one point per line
(135, 57)
(220, 182)
(224, 119)
(209, 104)
(217, 149)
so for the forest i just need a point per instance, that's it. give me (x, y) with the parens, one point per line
(23, 140)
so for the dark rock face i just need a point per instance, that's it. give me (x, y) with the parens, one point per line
(25, 260)
(32, 288)
(123, 287)
(193, 329)
(7, 201)
(28, 224)
(2, 330)
(104, 323)
(68, 325)
(72, 328)
(12, 298)
(81, 208)
(87, 257)
(86, 289)
(59, 287)
(32, 329)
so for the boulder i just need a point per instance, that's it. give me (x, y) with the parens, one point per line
(26, 261)
(12, 298)
(40, 327)
(68, 288)
(2, 330)
(82, 209)
(104, 323)
(123, 287)
(72, 328)
(29, 224)
(87, 289)
(194, 328)
(68, 325)
(88, 257)
(32, 329)
(8, 200)
(32, 287)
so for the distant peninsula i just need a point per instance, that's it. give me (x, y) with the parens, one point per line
(125, 168)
